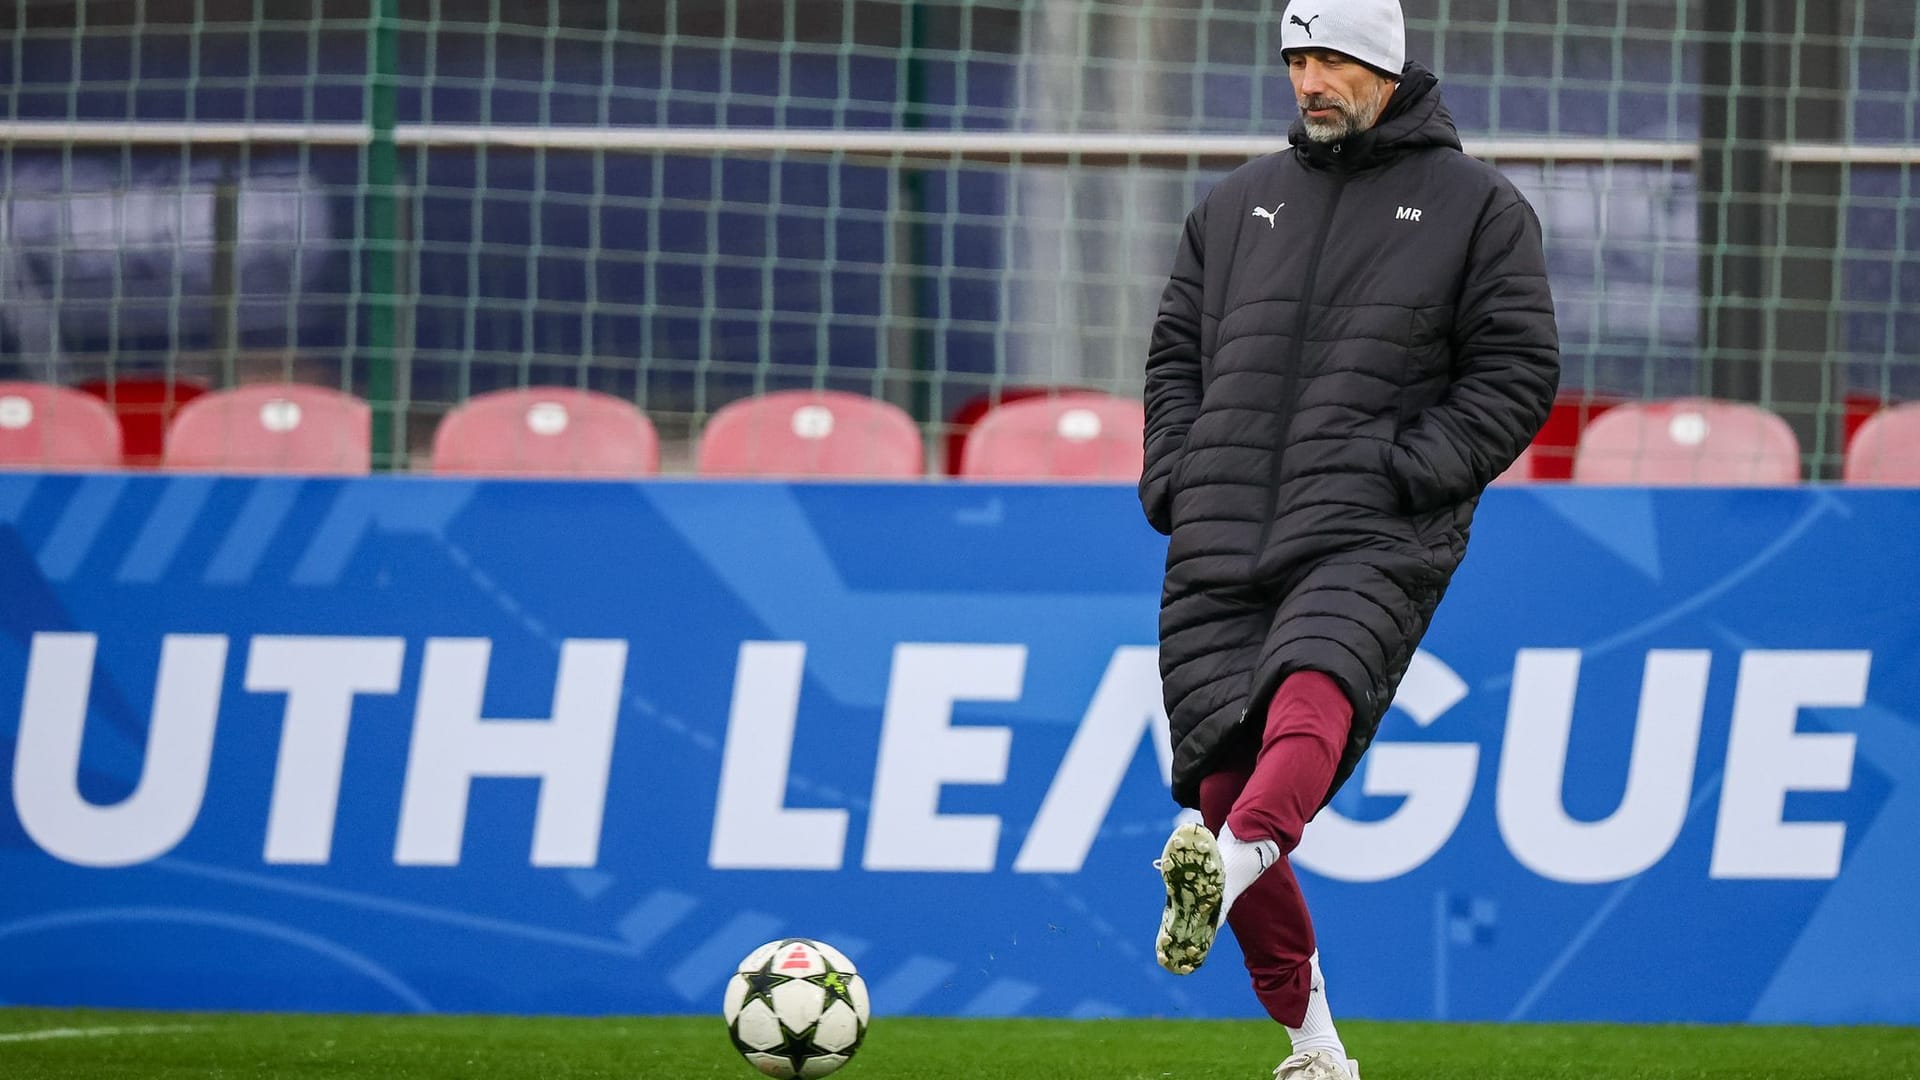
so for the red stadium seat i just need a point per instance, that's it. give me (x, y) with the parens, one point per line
(1886, 450)
(1079, 435)
(972, 410)
(277, 427)
(145, 404)
(546, 431)
(1856, 409)
(1566, 421)
(811, 433)
(53, 427)
(1687, 441)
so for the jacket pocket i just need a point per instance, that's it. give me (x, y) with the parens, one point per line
(1391, 471)
(1176, 483)
(1156, 492)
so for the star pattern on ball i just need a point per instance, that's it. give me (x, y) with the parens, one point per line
(798, 1047)
(835, 983)
(760, 983)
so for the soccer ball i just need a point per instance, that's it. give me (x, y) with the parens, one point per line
(796, 1008)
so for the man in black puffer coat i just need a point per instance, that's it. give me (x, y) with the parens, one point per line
(1357, 337)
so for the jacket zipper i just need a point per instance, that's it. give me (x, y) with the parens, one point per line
(1290, 386)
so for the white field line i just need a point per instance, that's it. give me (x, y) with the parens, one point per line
(89, 1033)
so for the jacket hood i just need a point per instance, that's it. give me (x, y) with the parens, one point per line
(1415, 118)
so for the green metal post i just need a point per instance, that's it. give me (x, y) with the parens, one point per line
(378, 246)
(924, 300)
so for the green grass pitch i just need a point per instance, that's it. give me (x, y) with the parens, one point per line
(41, 1044)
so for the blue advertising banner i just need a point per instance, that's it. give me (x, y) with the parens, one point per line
(418, 744)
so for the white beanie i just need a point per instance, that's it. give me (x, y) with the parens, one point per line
(1371, 31)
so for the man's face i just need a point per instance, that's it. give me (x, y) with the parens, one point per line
(1339, 96)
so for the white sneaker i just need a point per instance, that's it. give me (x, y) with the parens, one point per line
(1317, 1065)
(1196, 882)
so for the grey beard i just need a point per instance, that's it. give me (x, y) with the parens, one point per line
(1332, 131)
(1348, 120)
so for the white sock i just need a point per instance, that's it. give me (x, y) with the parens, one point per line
(1316, 1032)
(1244, 861)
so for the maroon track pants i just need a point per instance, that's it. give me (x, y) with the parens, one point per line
(1270, 791)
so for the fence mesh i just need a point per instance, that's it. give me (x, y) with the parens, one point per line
(683, 204)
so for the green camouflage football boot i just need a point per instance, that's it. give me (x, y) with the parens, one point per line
(1196, 884)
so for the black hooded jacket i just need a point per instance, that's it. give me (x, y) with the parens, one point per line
(1355, 340)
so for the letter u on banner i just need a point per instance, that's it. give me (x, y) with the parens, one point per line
(46, 765)
(1530, 803)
